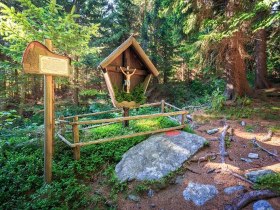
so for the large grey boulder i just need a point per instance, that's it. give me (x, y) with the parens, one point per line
(199, 193)
(157, 156)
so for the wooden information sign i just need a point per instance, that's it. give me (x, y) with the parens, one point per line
(39, 59)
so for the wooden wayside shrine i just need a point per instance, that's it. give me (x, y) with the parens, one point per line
(125, 68)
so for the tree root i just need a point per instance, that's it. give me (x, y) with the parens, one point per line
(245, 199)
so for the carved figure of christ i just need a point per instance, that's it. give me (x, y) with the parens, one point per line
(128, 75)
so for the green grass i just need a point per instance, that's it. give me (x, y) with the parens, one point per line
(135, 126)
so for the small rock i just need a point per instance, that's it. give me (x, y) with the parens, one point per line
(247, 160)
(212, 131)
(262, 205)
(233, 189)
(134, 198)
(253, 155)
(243, 123)
(179, 180)
(153, 205)
(199, 193)
(254, 175)
(151, 193)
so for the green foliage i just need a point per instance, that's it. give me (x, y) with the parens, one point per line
(89, 92)
(249, 128)
(217, 100)
(137, 95)
(269, 181)
(21, 174)
(227, 142)
(206, 144)
(8, 119)
(189, 129)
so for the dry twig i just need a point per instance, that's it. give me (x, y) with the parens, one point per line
(262, 148)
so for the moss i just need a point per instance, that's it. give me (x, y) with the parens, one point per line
(137, 95)
(269, 181)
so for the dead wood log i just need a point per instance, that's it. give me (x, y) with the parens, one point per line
(222, 145)
(268, 136)
(245, 199)
(262, 148)
(207, 157)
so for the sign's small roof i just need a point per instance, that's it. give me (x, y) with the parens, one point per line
(131, 41)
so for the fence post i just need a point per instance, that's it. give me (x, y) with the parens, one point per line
(183, 119)
(162, 106)
(125, 114)
(62, 125)
(75, 129)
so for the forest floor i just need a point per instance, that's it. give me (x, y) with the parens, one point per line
(169, 196)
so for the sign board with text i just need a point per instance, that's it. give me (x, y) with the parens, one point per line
(38, 59)
(53, 66)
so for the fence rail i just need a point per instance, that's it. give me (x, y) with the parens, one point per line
(76, 122)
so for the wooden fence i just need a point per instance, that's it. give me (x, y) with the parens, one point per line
(75, 122)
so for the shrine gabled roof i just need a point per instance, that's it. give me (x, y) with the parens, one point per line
(131, 41)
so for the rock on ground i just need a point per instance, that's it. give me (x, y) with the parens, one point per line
(157, 156)
(233, 189)
(134, 198)
(262, 205)
(253, 155)
(199, 193)
(254, 175)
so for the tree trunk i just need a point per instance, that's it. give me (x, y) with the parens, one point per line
(165, 77)
(237, 83)
(260, 59)
(76, 88)
(22, 94)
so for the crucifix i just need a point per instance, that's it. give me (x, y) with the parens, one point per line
(128, 75)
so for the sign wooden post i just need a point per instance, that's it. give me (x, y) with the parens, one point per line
(48, 120)
(39, 59)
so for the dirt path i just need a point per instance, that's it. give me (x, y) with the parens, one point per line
(171, 197)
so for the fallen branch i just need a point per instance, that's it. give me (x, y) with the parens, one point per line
(262, 148)
(207, 157)
(240, 177)
(268, 136)
(192, 171)
(245, 199)
(222, 145)
(214, 139)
